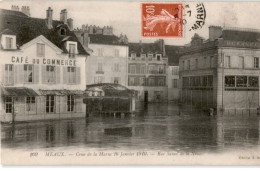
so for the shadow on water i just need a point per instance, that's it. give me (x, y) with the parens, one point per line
(155, 127)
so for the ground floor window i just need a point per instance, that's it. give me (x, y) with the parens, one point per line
(241, 81)
(8, 104)
(70, 103)
(30, 103)
(230, 81)
(175, 83)
(50, 103)
(253, 81)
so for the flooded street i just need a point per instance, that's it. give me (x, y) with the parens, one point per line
(158, 127)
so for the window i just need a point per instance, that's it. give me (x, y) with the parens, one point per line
(9, 42)
(28, 73)
(204, 81)
(210, 80)
(196, 63)
(143, 56)
(229, 81)
(161, 82)
(241, 81)
(161, 69)
(152, 69)
(50, 103)
(100, 52)
(40, 49)
(30, 104)
(205, 62)
(116, 67)
(133, 55)
(158, 57)
(150, 56)
(252, 81)
(197, 81)
(183, 65)
(227, 62)
(175, 71)
(8, 105)
(100, 67)
(142, 81)
(185, 82)
(188, 66)
(116, 52)
(72, 50)
(98, 79)
(70, 103)
(116, 80)
(50, 74)
(151, 81)
(256, 62)
(131, 81)
(132, 69)
(241, 62)
(212, 62)
(71, 75)
(62, 32)
(142, 69)
(175, 83)
(9, 74)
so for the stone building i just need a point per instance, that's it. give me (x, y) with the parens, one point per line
(147, 71)
(223, 71)
(107, 62)
(42, 67)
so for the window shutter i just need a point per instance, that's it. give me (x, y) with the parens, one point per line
(63, 104)
(57, 74)
(79, 104)
(36, 75)
(19, 73)
(57, 103)
(44, 76)
(77, 75)
(3, 74)
(65, 75)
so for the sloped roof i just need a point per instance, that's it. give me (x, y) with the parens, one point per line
(27, 28)
(144, 48)
(105, 39)
(172, 54)
(238, 35)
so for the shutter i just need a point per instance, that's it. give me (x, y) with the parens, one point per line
(57, 74)
(63, 104)
(2, 74)
(77, 75)
(13, 75)
(36, 75)
(19, 73)
(44, 74)
(65, 75)
(79, 104)
(57, 104)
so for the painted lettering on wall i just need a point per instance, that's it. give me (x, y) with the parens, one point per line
(44, 61)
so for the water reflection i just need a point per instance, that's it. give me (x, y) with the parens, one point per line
(155, 127)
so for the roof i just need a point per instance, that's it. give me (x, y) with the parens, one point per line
(105, 39)
(27, 28)
(239, 35)
(172, 54)
(61, 92)
(144, 48)
(18, 91)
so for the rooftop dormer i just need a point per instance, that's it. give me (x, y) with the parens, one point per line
(8, 39)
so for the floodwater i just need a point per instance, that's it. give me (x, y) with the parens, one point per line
(156, 127)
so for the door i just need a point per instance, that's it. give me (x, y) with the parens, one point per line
(146, 96)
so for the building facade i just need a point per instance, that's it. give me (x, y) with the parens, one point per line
(107, 62)
(223, 71)
(147, 71)
(173, 83)
(42, 67)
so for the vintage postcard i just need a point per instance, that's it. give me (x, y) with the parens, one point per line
(129, 83)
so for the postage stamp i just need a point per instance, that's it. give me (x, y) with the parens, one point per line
(162, 20)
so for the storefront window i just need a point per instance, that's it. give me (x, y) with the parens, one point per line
(241, 81)
(50, 103)
(30, 103)
(8, 104)
(204, 81)
(252, 81)
(161, 82)
(210, 80)
(70, 103)
(229, 81)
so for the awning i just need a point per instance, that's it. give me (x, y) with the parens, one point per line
(18, 91)
(61, 92)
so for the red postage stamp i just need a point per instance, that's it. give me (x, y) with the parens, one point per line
(162, 20)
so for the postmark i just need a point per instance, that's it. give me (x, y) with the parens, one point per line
(162, 20)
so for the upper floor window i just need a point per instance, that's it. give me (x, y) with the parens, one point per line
(72, 50)
(71, 75)
(256, 62)
(161, 82)
(100, 67)
(211, 61)
(161, 69)
(241, 61)
(62, 31)
(116, 67)
(142, 69)
(132, 69)
(196, 63)
(9, 74)
(116, 52)
(183, 65)
(28, 73)
(40, 50)
(9, 42)
(175, 83)
(175, 71)
(50, 74)
(150, 56)
(205, 62)
(143, 56)
(158, 57)
(227, 62)
(188, 65)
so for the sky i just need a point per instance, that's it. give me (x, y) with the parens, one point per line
(125, 16)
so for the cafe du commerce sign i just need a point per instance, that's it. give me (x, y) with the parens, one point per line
(43, 61)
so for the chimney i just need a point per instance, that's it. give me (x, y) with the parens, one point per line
(70, 23)
(15, 8)
(63, 16)
(26, 10)
(49, 17)
(162, 46)
(214, 32)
